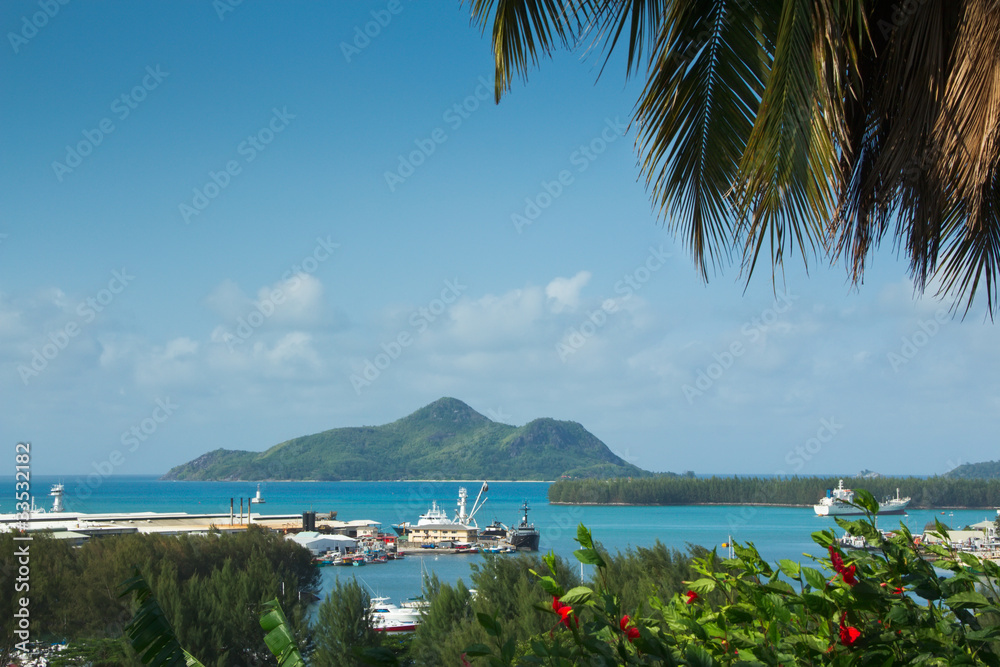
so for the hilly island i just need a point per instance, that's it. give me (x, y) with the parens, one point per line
(445, 440)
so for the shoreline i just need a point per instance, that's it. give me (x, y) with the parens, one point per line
(369, 481)
(929, 509)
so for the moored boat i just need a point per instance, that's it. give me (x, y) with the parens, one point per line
(524, 536)
(391, 618)
(837, 502)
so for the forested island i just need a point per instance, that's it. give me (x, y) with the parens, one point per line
(932, 492)
(445, 440)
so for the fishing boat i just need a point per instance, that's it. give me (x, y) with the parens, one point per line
(837, 502)
(436, 522)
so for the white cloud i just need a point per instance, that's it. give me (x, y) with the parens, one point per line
(564, 293)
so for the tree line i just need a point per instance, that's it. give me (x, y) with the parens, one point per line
(211, 588)
(932, 492)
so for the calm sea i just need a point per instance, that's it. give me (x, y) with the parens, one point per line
(778, 532)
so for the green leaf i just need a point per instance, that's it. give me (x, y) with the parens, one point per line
(550, 585)
(703, 585)
(576, 595)
(489, 623)
(696, 656)
(477, 650)
(589, 557)
(968, 600)
(864, 498)
(790, 568)
(584, 537)
(279, 638)
(814, 578)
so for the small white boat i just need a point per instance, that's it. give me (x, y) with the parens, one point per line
(390, 618)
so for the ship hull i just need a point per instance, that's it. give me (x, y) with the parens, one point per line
(843, 509)
(526, 541)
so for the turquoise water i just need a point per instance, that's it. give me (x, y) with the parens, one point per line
(778, 532)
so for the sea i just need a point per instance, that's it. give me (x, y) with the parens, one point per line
(777, 532)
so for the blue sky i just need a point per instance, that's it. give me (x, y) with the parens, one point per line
(201, 248)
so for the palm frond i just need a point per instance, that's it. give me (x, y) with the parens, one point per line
(279, 638)
(695, 116)
(150, 633)
(523, 30)
(969, 135)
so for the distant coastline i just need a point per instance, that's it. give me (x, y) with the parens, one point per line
(735, 504)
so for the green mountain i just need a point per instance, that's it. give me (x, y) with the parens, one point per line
(444, 440)
(983, 470)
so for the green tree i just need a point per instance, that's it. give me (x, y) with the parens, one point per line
(808, 124)
(344, 627)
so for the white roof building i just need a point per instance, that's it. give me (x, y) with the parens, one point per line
(319, 543)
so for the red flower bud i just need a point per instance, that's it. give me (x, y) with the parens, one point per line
(691, 596)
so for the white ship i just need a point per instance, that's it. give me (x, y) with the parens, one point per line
(436, 516)
(837, 503)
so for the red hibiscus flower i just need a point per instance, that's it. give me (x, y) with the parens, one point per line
(846, 573)
(564, 611)
(633, 634)
(624, 622)
(691, 596)
(848, 635)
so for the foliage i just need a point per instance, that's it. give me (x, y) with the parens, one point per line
(860, 608)
(150, 633)
(280, 637)
(343, 627)
(95, 653)
(981, 470)
(769, 126)
(444, 440)
(675, 490)
(211, 589)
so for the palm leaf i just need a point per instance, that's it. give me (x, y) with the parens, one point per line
(695, 117)
(789, 173)
(149, 632)
(523, 30)
(279, 638)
